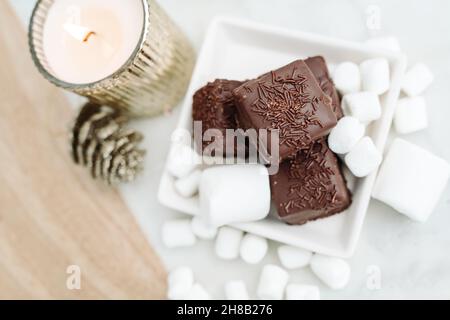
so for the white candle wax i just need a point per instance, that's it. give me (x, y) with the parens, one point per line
(85, 41)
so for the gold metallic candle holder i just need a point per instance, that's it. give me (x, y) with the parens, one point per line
(152, 81)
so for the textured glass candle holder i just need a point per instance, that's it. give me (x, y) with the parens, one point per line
(153, 79)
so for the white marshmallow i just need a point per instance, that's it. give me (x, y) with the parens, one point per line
(411, 115)
(182, 160)
(411, 180)
(228, 243)
(236, 290)
(364, 106)
(293, 257)
(350, 179)
(417, 79)
(188, 186)
(347, 78)
(197, 292)
(364, 158)
(302, 292)
(178, 233)
(345, 135)
(180, 282)
(375, 75)
(331, 68)
(388, 43)
(202, 230)
(234, 193)
(272, 283)
(253, 248)
(334, 272)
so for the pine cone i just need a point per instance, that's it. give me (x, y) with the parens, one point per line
(100, 143)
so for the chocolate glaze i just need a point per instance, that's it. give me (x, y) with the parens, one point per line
(310, 186)
(319, 68)
(288, 99)
(214, 105)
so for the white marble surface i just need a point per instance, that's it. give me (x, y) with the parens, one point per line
(413, 258)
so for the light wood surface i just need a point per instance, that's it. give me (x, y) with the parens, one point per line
(52, 215)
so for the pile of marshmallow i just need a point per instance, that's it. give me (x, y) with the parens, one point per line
(411, 180)
(360, 86)
(274, 281)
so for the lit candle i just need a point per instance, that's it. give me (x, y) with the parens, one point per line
(126, 54)
(86, 41)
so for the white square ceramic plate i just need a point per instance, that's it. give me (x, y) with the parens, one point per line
(235, 49)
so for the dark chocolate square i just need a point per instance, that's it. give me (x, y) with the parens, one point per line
(310, 186)
(214, 106)
(288, 99)
(319, 68)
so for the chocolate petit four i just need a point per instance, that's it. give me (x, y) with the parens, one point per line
(288, 99)
(310, 186)
(319, 68)
(214, 106)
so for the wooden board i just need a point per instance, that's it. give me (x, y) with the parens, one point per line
(52, 215)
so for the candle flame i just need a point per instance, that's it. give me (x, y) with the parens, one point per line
(78, 32)
(86, 38)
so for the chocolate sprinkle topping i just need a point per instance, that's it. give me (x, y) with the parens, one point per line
(310, 186)
(289, 100)
(214, 105)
